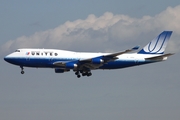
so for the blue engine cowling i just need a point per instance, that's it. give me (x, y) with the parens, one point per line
(58, 70)
(97, 61)
(71, 65)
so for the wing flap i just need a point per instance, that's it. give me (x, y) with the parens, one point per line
(60, 63)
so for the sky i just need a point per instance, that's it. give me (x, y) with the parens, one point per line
(143, 92)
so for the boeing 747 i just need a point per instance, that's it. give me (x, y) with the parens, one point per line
(82, 63)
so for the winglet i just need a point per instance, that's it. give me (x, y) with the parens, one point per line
(157, 45)
(135, 48)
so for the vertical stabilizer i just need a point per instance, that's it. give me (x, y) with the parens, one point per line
(157, 45)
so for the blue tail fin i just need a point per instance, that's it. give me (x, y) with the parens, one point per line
(157, 45)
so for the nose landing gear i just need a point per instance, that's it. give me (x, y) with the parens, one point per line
(22, 72)
(22, 69)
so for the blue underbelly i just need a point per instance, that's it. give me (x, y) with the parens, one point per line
(38, 62)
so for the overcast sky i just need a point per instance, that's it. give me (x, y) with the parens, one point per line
(149, 92)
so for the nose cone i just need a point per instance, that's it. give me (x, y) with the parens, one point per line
(11, 58)
(7, 59)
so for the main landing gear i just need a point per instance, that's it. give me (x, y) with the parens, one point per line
(84, 73)
(22, 69)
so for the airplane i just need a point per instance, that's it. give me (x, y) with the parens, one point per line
(83, 62)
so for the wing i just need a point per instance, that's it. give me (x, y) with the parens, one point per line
(111, 56)
(93, 63)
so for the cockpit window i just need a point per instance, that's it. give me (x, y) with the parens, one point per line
(17, 51)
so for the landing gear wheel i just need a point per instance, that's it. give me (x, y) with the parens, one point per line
(77, 73)
(22, 72)
(78, 76)
(89, 74)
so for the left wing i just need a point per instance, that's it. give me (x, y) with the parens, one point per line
(93, 63)
(109, 57)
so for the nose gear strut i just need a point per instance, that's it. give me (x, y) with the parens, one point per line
(22, 69)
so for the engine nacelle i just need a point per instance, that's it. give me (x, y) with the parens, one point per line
(58, 70)
(97, 61)
(71, 65)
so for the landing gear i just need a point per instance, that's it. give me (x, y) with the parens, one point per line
(84, 73)
(22, 72)
(87, 73)
(78, 74)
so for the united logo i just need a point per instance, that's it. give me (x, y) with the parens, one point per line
(27, 53)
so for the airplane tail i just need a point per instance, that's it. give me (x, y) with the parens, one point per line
(157, 45)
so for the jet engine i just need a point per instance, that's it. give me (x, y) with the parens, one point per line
(97, 61)
(71, 65)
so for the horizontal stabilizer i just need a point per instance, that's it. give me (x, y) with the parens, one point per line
(160, 58)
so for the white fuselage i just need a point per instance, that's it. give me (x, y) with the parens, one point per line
(46, 58)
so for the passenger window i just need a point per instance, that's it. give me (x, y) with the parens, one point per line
(37, 53)
(33, 53)
(55, 54)
(50, 54)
